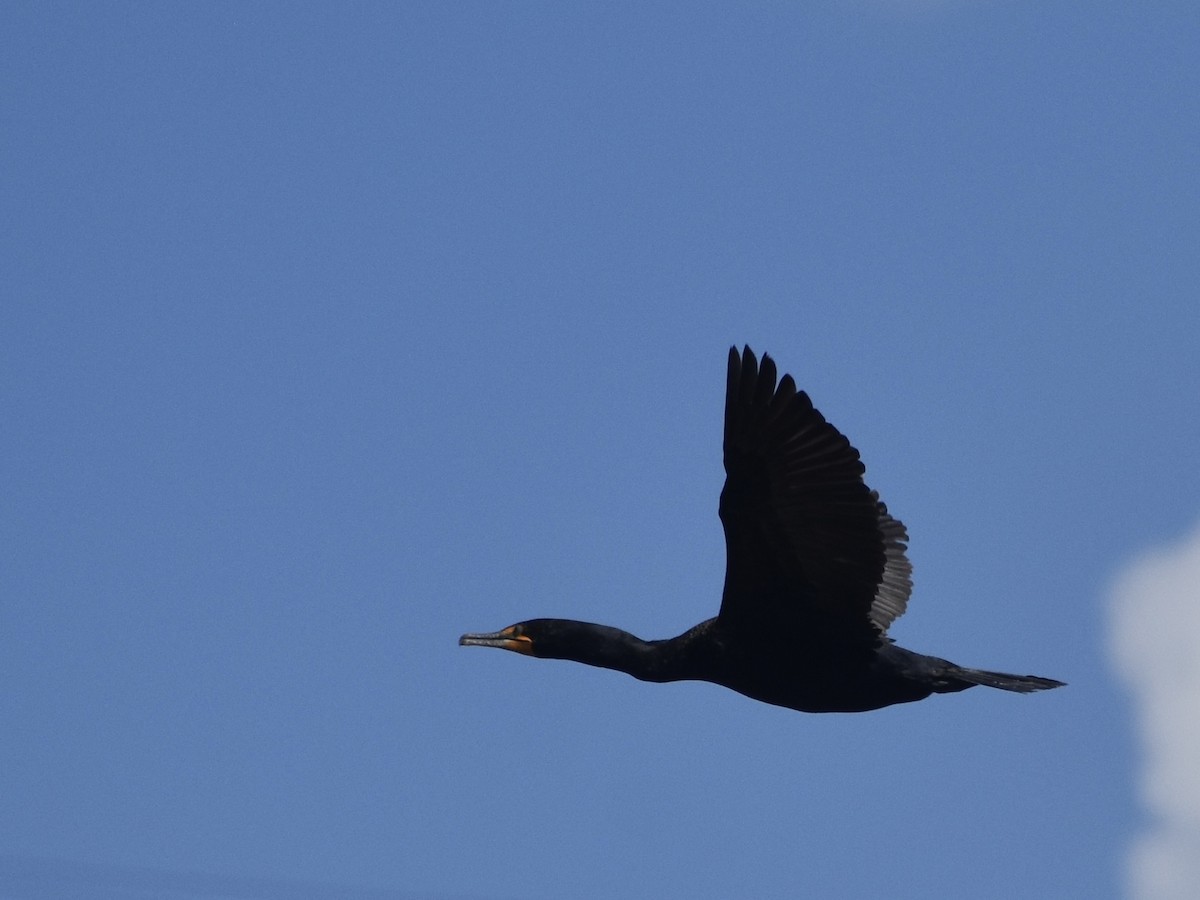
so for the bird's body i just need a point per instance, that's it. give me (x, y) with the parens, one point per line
(816, 571)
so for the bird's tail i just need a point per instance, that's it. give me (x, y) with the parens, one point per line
(1022, 684)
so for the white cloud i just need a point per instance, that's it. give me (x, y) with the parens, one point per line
(1155, 645)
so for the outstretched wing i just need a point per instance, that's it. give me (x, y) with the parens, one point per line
(808, 545)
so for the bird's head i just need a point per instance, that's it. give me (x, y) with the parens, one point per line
(550, 639)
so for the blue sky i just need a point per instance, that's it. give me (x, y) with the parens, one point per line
(334, 331)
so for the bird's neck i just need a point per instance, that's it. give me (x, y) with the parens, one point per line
(659, 661)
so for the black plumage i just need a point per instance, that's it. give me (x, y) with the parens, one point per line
(815, 574)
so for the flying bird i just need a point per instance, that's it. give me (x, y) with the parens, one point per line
(815, 573)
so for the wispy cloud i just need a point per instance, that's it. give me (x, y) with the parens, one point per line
(1155, 645)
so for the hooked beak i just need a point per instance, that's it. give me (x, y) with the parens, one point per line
(505, 640)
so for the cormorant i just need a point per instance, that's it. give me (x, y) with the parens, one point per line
(815, 573)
